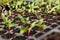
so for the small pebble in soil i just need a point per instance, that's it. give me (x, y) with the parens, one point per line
(12, 28)
(54, 25)
(47, 29)
(52, 33)
(33, 17)
(16, 30)
(50, 20)
(47, 23)
(35, 28)
(5, 28)
(2, 32)
(19, 38)
(50, 16)
(8, 35)
(39, 34)
(33, 32)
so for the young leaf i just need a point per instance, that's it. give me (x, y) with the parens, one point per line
(12, 25)
(43, 26)
(40, 21)
(32, 25)
(19, 3)
(27, 20)
(21, 18)
(7, 21)
(4, 18)
(23, 29)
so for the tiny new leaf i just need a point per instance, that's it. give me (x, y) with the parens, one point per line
(32, 25)
(23, 29)
(21, 18)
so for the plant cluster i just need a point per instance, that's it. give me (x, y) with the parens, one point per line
(47, 6)
(22, 6)
(9, 23)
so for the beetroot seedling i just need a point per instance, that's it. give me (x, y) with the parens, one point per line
(8, 22)
(40, 23)
(26, 21)
(23, 29)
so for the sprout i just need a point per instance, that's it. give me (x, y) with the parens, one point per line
(26, 21)
(7, 21)
(32, 25)
(40, 23)
(23, 29)
(31, 7)
(19, 3)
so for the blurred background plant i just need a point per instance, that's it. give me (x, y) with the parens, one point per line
(3, 2)
(48, 6)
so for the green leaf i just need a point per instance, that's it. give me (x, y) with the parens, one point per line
(43, 26)
(19, 3)
(21, 18)
(23, 29)
(40, 22)
(32, 25)
(12, 25)
(7, 21)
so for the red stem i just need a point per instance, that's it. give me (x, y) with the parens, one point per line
(8, 29)
(28, 35)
